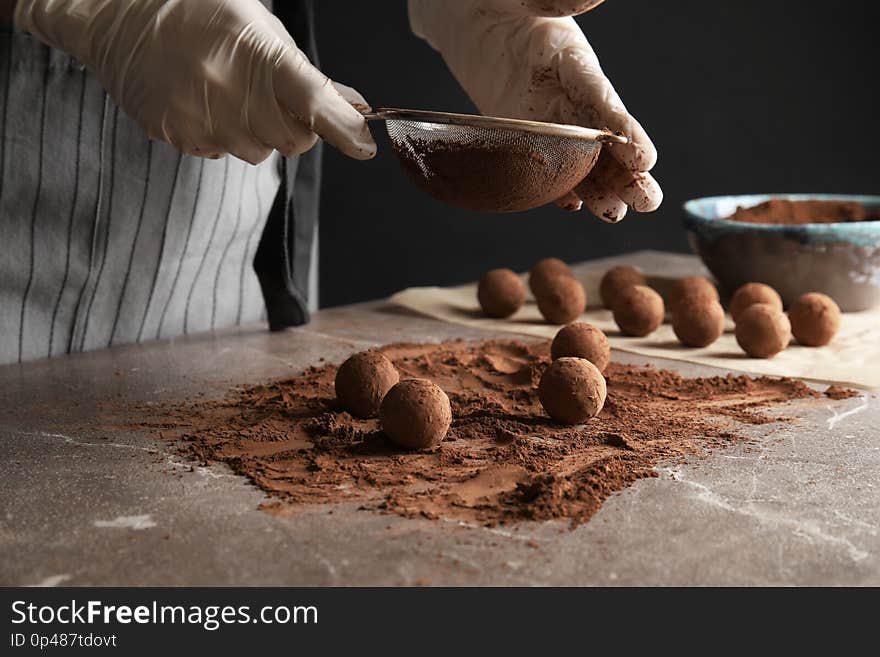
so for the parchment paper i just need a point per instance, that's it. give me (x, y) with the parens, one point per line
(853, 357)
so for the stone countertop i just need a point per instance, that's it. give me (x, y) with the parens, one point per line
(84, 503)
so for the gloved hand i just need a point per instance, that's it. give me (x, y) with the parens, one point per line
(528, 59)
(208, 76)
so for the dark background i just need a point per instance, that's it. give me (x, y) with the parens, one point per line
(741, 96)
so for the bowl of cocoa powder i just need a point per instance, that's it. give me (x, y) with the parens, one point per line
(796, 243)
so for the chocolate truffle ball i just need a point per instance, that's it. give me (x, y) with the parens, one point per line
(763, 330)
(815, 319)
(692, 287)
(697, 320)
(362, 382)
(416, 414)
(582, 340)
(501, 293)
(617, 279)
(752, 293)
(561, 299)
(572, 390)
(544, 271)
(638, 311)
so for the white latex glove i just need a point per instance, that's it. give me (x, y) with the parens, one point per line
(528, 59)
(209, 76)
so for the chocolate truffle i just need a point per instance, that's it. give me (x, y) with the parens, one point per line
(692, 287)
(638, 310)
(572, 390)
(416, 414)
(815, 319)
(544, 271)
(697, 320)
(582, 340)
(362, 382)
(763, 330)
(617, 279)
(561, 299)
(751, 293)
(501, 293)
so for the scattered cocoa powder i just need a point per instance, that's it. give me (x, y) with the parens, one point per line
(838, 392)
(503, 460)
(783, 211)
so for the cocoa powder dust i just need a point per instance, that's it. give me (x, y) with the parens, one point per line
(495, 176)
(783, 211)
(503, 459)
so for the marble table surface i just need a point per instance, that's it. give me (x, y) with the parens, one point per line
(84, 502)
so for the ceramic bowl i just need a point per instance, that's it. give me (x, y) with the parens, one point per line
(841, 259)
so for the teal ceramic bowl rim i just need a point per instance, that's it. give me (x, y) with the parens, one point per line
(705, 217)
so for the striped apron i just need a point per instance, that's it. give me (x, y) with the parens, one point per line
(109, 238)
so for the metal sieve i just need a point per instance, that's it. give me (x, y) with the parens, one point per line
(491, 164)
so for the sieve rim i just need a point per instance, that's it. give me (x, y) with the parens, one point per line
(478, 121)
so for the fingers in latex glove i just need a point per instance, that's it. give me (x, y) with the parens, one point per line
(598, 194)
(543, 7)
(571, 202)
(211, 77)
(292, 134)
(610, 188)
(316, 102)
(267, 124)
(298, 138)
(637, 189)
(598, 104)
(306, 105)
(515, 60)
(605, 188)
(353, 97)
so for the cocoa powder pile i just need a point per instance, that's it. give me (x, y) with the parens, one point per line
(503, 460)
(487, 176)
(782, 211)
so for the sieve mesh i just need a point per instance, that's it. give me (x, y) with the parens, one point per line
(490, 169)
